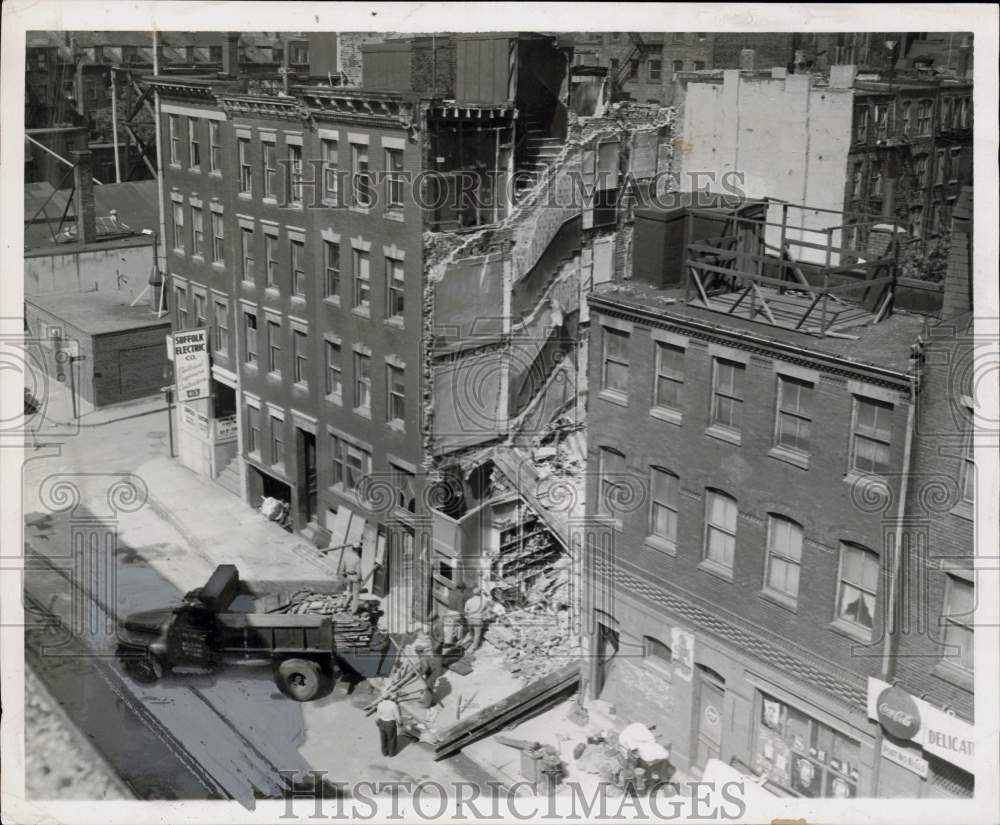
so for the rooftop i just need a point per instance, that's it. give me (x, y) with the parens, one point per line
(100, 312)
(885, 345)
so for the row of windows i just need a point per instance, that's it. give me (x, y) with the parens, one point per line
(916, 117)
(215, 249)
(859, 567)
(267, 344)
(871, 424)
(947, 167)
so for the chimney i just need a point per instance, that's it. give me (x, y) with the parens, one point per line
(83, 181)
(957, 298)
(230, 54)
(842, 77)
(747, 60)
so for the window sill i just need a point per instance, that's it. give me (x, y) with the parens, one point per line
(175, 165)
(219, 266)
(269, 201)
(362, 312)
(177, 251)
(364, 412)
(335, 398)
(608, 521)
(198, 259)
(244, 196)
(391, 215)
(794, 457)
(297, 205)
(724, 434)
(715, 569)
(851, 631)
(343, 492)
(870, 485)
(301, 386)
(395, 322)
(216, 173)
(271, 292)
(255, 455)
(361, 210)
(299, 299)
(614, 397)
(661, 545)
(330, 202)
(668, 415)
(954, 675)
(195, 169)
(782, 600)
(274, 377)
(965, 510)
(397, 425)
(279, 468)
(250, 367)
(248, 284)
(332, 300)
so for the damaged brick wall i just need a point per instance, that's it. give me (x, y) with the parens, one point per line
(349, 53)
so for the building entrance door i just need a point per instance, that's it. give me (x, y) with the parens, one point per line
(607, 647)
(708, 720)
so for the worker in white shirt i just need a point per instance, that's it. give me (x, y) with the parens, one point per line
(387, 718)
(477, 610)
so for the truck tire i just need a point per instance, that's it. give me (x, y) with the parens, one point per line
(299, 679)
(144, 669)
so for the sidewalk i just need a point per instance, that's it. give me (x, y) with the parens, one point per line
(225, 530)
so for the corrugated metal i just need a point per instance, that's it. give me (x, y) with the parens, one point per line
(483, 70)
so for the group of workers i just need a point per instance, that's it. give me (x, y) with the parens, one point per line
(440, 636)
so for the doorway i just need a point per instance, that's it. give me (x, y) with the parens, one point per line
(307, 482)
(708, 719)
(607, 647)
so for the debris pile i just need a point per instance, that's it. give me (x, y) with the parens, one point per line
(535, 641)
(630, 760)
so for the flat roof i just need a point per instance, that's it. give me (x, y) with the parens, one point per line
(99, 313)
(885, 345)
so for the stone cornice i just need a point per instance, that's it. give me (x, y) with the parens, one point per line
(278, 108)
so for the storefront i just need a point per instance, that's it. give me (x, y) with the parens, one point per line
(926, 752)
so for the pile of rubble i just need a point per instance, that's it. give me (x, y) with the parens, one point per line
(325, 604)
(535, 641)
(630, 760)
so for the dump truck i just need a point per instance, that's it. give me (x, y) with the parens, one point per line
(229, 621)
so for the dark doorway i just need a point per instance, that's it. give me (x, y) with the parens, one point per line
(307, 482)
(607, 647)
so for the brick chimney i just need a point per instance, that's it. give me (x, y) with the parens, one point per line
(231, 54)
(957, 298)
(83, 205)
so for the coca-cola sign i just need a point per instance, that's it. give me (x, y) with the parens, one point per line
(898, 713)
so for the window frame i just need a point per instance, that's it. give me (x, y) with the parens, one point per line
(661, 374)
(277, 441)
(271, 273)
(361, 402)
(868, 555)
(218, 238)
(295, 174)
(174, 139)
(179, 231)
(245, 180)
(269, 161)
(331, 161)
(197, 232)
(333, 376)
(194, 145)
(708, 559)
(395, 397)
(671, 505)
(797, 414)
(361, 300)
(254, 432)
(248, 263)
(394, 180)
(274, 342)
(653, 660)
(734, 395)
(250, 337)
(606, 487)
(361, 176)
(220, 322)
(300, 357)
(618, 360)
(881, 438)
(214, 147)
(774, 553)
(962, 623)
(297, 253)
(395, 291)
(331, 270)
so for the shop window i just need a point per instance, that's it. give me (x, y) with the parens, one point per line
(802, 755)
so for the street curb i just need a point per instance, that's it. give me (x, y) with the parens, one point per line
(81, 423)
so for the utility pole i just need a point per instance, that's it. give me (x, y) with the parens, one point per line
(114, 124)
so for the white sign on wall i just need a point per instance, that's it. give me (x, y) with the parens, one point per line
(191, 366)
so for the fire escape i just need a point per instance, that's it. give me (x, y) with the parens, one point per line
(636, 54)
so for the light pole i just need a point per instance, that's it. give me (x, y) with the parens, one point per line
(168, 395)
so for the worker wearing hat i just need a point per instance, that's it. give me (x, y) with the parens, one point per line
(387, 718)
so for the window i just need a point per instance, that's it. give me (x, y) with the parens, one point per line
(396, 394)
(920, 170)
(669, 376)
(959, 606)
(270, 169)
(194, 147)
(939, 167)
(300, 357)
(872, 428)
(362, 281)
(917, 221)
(968, 483)
(294, 173)
(331, 267)
(334, 369)
(784, 556)
(663, 490)
(395, 293)
(250, 337)
(857, 179)
(298, 268)
(699, 65)
(946, 113)
(271, 258)
(656, 653)
(179, 226)
(954, 163)
(633, 70)
(794, 413)
(277, 441)
(394, 179)
(881, 116)
(655, 71)
(925, 111)
(221, 316)
(246, 170)
(616, 363)
(197, 232)
(611, 478)
(246, 246)
(859, 571)
(362, 382)
(678, 66)
(720, 529)
(875, 187)
(218, 239)
(906, 122)
(173, 128)
(180, 306)
(329, 150)
(405, 483)
(360, 178)
(253, 431)
(727, 394)
(200, 314)
(350, 463)
(214, 147)
(860, 124)
(274, 347)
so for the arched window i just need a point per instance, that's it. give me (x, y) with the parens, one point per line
(720, 528)
(784, 556)
(857, 587)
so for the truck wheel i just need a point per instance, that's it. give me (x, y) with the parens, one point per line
(144, 669)
(299, 678)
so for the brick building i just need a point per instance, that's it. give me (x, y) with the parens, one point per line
(742, 454)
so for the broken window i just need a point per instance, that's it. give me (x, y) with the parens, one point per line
(871, 435)
(784, 556)
(859, 571)
(720, 529)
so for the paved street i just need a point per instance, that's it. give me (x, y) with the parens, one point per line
(208, 736)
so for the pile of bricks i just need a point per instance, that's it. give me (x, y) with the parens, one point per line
(533, 643)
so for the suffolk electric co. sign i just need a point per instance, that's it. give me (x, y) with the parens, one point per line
(935, 731)
(191, 365)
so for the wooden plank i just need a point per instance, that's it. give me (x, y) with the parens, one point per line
(701, 289)
(764, 306)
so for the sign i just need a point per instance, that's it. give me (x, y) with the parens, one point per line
(682, 649)
(905, 758)
(936, 732)
(898, 713)
(191, 364)
(225, 429)
(195, 421)
(712, 716)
